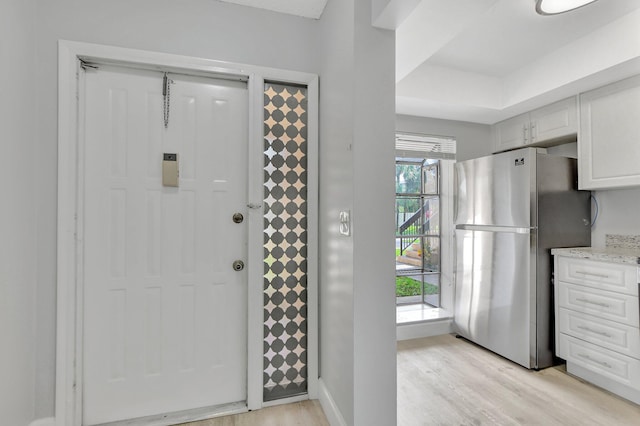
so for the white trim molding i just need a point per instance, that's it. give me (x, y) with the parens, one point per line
(47, 421)
(69, 285)
(329, 406)
(424, 329)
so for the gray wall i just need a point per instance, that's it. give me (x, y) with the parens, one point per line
(618, 214)
(18, 259)
(336, 194)
(473, 140)
(373, 233)
(357, 316)
(201, 28)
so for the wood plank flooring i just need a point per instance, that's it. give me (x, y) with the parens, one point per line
(305, 413)
(447, 381)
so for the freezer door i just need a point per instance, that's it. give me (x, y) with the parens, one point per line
(496, 190)
(494, 292)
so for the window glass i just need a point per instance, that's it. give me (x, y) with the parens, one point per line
(417, 221)
(408, 179)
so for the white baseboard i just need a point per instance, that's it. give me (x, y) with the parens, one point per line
(47, 421)
(423, 329)
(331, 411)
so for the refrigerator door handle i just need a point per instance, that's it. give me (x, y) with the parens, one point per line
(509, 229)
(455, 194)
(454, 247)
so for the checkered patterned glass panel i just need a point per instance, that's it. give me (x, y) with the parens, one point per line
(285, 241)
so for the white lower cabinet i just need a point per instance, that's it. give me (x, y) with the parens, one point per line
(621, 338)
(598, 323)
(611, 364)
(608, 305)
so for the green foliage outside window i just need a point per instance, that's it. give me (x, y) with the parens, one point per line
(406, 286)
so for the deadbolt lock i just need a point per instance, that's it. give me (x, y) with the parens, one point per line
(238, 265)
(238, 218)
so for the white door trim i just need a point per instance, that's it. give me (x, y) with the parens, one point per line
(69, 286)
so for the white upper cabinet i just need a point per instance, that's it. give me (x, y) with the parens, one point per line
(554, 122)
(511, 133)
(542, 127)
(609, 138)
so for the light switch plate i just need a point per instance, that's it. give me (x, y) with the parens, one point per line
(345, 223)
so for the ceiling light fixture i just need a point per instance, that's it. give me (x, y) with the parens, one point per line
(553, 7)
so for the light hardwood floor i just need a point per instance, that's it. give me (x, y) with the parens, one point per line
(305, 413)
(447, 381)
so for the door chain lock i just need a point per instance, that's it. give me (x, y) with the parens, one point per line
(238, 265)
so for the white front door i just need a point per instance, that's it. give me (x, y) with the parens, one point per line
(164, 312)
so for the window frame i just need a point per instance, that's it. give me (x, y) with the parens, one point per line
(423, 196)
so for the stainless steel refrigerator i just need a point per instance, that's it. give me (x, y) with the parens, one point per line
(511, 209)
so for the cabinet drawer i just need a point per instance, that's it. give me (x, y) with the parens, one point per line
(602, 304)
(600, 275)
(607, 334)
(617, 367)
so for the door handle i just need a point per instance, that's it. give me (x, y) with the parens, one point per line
(532, 132)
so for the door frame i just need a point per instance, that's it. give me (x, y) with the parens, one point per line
(69, 325)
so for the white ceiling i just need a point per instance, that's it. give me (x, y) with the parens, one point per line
(469, 59)
(506, 35)
(486, 60)
(305, 8)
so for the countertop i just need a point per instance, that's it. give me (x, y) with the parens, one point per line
(608, 254)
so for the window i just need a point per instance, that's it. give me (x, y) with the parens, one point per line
(418, 217)
(418, 231)
(285, 241)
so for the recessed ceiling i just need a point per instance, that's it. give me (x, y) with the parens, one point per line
(510, 34)
(484, 60)
(305, 8)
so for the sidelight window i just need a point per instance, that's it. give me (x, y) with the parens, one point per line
(285, 241)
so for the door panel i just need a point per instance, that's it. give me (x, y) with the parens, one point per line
(164, 313)
(492, 301)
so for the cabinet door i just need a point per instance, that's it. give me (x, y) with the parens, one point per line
(511, 133)
(609, 138)
(554, 122)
